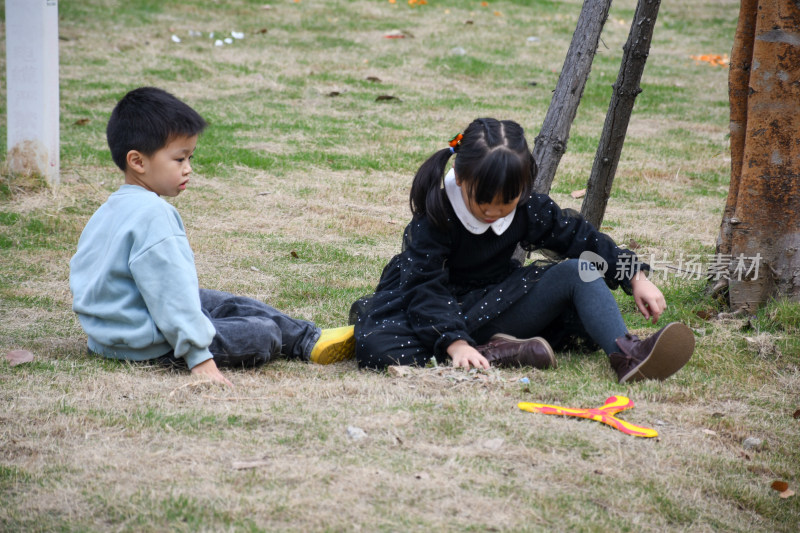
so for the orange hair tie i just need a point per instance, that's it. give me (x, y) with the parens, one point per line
(455, 141)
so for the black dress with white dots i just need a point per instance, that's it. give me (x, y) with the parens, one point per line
(448, 283)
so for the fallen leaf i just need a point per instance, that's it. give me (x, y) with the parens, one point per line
(468, 22)
(786, 494)
(262, 30)
(705, 314)
(374, 79)
(82, 122)
(715, 60)
(797, 415)
(18, 357)
(334, 93)
(578, 194)
(383, 97)
(294, 254)
(606, 228)
(422, 475)
(633, 245)
(780, 486)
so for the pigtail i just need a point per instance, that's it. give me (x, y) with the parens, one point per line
(427, 196)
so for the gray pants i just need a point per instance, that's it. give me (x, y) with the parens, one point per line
(250, 332)
(561, 289)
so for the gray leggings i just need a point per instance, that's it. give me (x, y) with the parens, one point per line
(559, 289)
(250, 332)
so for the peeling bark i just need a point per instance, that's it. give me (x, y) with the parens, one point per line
(738, 82)
(765, 221)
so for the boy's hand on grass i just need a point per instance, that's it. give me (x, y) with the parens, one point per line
(209, 370)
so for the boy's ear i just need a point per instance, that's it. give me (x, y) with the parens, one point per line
(458, 180)
(135, 160)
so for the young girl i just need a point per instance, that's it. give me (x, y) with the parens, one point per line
(455, 290)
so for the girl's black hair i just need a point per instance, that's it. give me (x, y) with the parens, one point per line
(492, 159)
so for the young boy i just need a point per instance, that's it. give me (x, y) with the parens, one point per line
(133, 278)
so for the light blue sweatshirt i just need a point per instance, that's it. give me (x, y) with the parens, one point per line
(134, 283)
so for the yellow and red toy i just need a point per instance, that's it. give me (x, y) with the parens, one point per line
(604, 414)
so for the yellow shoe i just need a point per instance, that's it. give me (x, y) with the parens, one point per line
(334, 345)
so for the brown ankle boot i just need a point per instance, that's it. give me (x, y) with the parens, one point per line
(505, 350)
(657, 357)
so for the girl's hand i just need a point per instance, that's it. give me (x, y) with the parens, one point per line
(464, 355)
(208, 369)
(648, 297)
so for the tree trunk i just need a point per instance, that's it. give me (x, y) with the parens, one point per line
(551, 143)
(626, 89)
(738, 83)
(765, 224)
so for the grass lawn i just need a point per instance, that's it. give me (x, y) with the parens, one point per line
(299, 197)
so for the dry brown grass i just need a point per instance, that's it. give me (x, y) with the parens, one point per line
(87, 444)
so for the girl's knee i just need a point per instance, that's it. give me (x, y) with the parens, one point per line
(584, 271)
(568, 272)
(571, 267)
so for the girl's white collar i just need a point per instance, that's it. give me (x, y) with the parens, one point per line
(469, 221)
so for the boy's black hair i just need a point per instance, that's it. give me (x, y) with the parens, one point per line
(146, 119)
(492, 159)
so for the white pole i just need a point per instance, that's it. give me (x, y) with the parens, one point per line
(32, 88)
